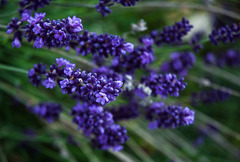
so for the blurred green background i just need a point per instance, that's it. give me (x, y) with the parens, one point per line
(214, 136)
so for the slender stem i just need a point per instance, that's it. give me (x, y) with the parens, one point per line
(73, 5)
(9, 14)
(157, 4)
(205, 82)
(220, 73)
(139, 151)
(11, 68)
(121, 156)
(3, 26)
(192, 6)
(83, 61)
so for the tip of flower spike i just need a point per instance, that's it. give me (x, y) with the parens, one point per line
(16, 43)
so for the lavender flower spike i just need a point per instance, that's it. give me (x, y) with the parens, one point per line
(225, 34)
(169, 116)
(164, 85)
(171, 34)
(48, 111)
(98, 124)
(89, 87)
(179, 64)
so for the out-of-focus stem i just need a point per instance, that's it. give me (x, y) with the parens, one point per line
(8, 14)
(193, 6)
(73, 4)
(11, 68)
(220, 73)
(83, 61)
(3, 26)
(157, 4)
(207, 83)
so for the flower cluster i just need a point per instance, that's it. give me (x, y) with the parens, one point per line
(170, 116)
(98, 124)
(225, 34)
(171, 34)
(209, 97)
(88, 86)
(48, 111)
(103, 5)
(46, 33)
(54, 33)
(32, 4)
(101, 45)
(229, 58)
(14, 26)
(139, 58)
(179, 64)
(164, 85)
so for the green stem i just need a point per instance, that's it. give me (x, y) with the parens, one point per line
(220, 73)
(3, 26)
(157, 4)
(207, 83)
(11, 68)
(73, 5)
(9, 14)
(192, 6)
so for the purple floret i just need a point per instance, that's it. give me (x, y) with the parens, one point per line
(49, 83)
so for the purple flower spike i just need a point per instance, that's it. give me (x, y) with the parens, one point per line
(98, 124)
(179, 64)
(32, 5)
(101, 45)
(225, 34)
(164, 85)
(169, 116)
(171, 34)
(87, 87)
(48, 111)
